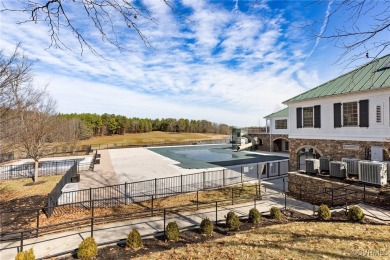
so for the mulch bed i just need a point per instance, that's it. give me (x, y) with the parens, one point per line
(194, 236)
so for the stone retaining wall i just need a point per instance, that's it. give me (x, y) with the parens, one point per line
(307, 188)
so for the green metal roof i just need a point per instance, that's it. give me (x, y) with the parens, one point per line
(373, 75)
(280, 113)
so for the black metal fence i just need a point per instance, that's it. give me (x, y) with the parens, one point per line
(45, 168)
(115, 195)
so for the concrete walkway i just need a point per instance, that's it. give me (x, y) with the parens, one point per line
(103, 174)
(54, 244)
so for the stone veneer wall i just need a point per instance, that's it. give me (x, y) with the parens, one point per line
(332, 148)
(303, 187)
(266, 142)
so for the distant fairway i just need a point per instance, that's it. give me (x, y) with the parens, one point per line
(151, 137)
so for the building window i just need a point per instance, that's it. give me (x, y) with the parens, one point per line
(379, 114)
(308, 116)
(286, 147)
(281, 124)
(350, 114)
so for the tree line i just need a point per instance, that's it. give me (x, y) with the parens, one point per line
(111, 124)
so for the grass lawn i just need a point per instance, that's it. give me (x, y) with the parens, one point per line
(297, 240)
(151, 137)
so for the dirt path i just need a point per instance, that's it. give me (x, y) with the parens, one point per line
(103, 174)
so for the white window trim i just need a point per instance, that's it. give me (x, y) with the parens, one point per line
(358, 114)
(303, 119)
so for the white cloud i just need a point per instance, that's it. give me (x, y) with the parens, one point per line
(219, 65)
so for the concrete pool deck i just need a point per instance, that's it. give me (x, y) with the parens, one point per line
(136, 164)
(118, 166)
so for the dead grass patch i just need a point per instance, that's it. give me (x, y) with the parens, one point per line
(297, 240)
(23, 188)
(151, 137)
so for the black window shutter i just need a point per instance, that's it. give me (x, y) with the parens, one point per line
(363, 113)
(317, 116)
(299, 117)
(337, 114)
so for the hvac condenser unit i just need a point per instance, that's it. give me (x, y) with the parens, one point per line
(324, 163)
(312, 165)
(338, 169)
(352, 166)
(373, 172)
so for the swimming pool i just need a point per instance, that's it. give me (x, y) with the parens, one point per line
(209, 156)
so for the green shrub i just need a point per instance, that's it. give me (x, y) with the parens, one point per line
(355, 214)
(324, 212)
(232, 221)
(87, 249)
(172, 231)
(254, 216)
(134, 240)
(206, 227)
(275, 213)
(25, 255)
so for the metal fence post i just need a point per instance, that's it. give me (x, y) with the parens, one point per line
(332, 198)
(223, 178)
(181, 183)
(21, 241)
(284, 185)
(364, 192)
(268, 167)
(204, 179)
(92, 219)
(197, 200)
(232, 196)
(164, 219)
(279, 168)
(37, 233)
(152, 204)
(216, 212)
(90, 198)
(125, 193)
(155, 186)
(285, 200)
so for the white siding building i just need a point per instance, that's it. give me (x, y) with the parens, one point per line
(346, 117)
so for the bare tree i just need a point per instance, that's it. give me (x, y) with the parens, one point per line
(36, 130)
(15, 75)
(72, 131)
(108, 17)
(364, 31)
(16, 94)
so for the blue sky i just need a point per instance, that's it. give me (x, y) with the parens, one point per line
(225, 61)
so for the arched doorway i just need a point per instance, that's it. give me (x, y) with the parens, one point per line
(280, 145)
(306, 152)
